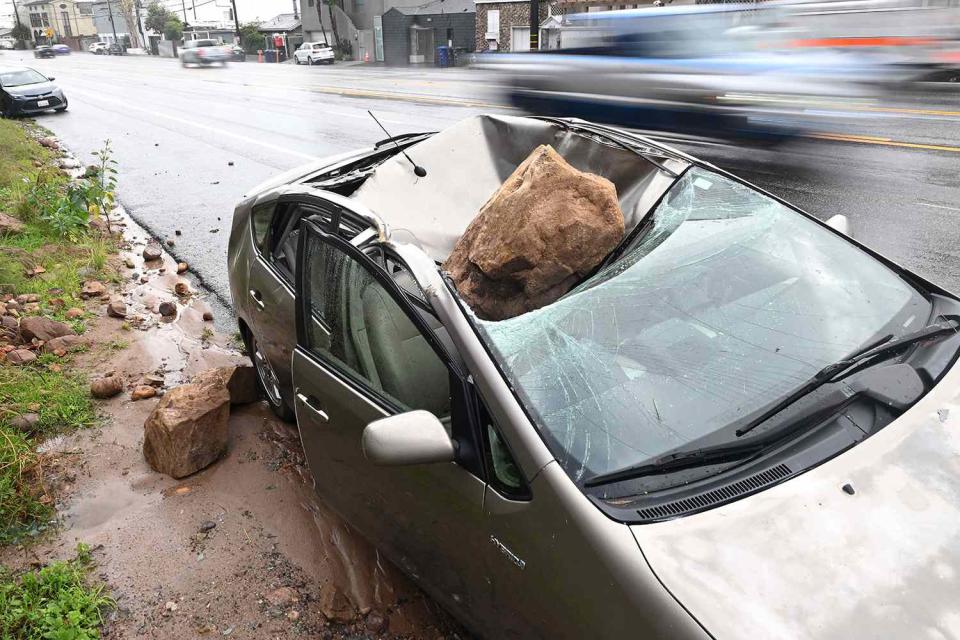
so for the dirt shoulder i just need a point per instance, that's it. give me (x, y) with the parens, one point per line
(243, 548)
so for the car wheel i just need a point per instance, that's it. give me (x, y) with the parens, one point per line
(296, 60)
(310, 61)
(269, 384)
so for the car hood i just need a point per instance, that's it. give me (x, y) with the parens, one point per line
(805, 559)
(38, 89)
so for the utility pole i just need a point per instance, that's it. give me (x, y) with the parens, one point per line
(112, 24)
(183, 3)
(143, 36)
(193, 5)
(296, 9)
(236, 22)
(534, 25)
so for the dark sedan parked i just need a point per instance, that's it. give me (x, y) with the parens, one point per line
(24, 91)
(43, 51)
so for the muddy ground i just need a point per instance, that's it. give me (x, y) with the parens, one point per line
(243, 548)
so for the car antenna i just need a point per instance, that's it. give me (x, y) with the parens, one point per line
(418, 171)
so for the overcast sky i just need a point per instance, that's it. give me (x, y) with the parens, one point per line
(247, 10)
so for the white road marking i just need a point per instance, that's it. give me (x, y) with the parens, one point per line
(125, 105)
(938, 206)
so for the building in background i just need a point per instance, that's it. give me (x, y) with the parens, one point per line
(109, 22)
(360, 23)
(59, 21)
(412, 35)
(285, 29)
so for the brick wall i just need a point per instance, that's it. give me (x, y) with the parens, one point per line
(512, 14)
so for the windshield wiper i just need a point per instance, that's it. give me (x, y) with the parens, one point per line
(884, 346)
(678, 461)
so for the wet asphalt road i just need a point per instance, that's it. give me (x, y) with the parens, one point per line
(893, 170)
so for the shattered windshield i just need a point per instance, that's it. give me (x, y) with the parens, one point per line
(727, 303)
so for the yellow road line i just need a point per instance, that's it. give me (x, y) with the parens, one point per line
(887, 142)
(924, 112)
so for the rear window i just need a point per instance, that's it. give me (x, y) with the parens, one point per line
(205, 43)
(321, 45)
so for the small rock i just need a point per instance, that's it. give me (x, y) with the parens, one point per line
(66, 343)
(335, 606)
(214, 230)
(25, 298)
(129, 263)
(230, 164)
(208, 316)
(57, 303)
(117, 309)
(170, 242)
(144, 279)
(9, 225)
(31, 307)
(168, 309)
(208, 525)
(152, 252)
(9, 323)
(282, 597)
(142, 392)
(293, 615)
(181, 289)
(92, 289)
(25, 422)
(69, 163)
(43, 328)
(49, 142)
(59, 352)
(154, 380)
(73, 313)
(21, 356)
(376, 623)
(106, 387)
(92, 171)
(171, 606)
(178, 232)
(181, 267)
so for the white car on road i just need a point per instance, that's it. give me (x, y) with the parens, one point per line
(313, 53)
(99, 48)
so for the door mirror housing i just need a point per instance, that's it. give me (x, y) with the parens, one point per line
(414, 437)
(51, 78)
(840, 223)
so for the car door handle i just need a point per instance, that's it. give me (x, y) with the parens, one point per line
(257, 298)
(314, 404)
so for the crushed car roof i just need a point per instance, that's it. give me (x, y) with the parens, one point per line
(433, 211)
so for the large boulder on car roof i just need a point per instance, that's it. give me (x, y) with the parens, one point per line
(188, 430)
(546, 228)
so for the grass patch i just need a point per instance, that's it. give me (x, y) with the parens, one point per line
(57, 602)
(50, 257)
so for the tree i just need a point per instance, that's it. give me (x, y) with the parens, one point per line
(161, 20)
(251, 38)
(333, 21)
(21, 33)
(126, 8)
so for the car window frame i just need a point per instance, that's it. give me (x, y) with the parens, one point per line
(462, 409)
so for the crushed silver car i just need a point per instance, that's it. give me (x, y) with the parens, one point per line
(742, 424)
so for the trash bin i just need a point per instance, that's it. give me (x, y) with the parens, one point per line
(443, 56)
(282, 55)
(270, 55)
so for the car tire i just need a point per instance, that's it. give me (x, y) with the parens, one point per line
(267, 381)
(309, 62)
(296, 60)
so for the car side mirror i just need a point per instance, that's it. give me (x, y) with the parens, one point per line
(51, 78)
(414, 437)
(840, 223)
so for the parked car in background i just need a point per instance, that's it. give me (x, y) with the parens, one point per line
(740, 414)
(116, 49)
(313, 53)
(204, 53)
(43, 51)
(99, 48)
(238, 54)
(24, 91)
(7, 43)
(61, 49)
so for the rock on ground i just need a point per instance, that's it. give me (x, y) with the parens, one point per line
(106, 387)
(21, 356)
(187, 430)
(66, 343)
(546, 228)
(240, 382)
(43, 328)
(92, 289)
(10, 225)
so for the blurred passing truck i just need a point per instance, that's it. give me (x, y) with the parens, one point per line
(726, 71)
